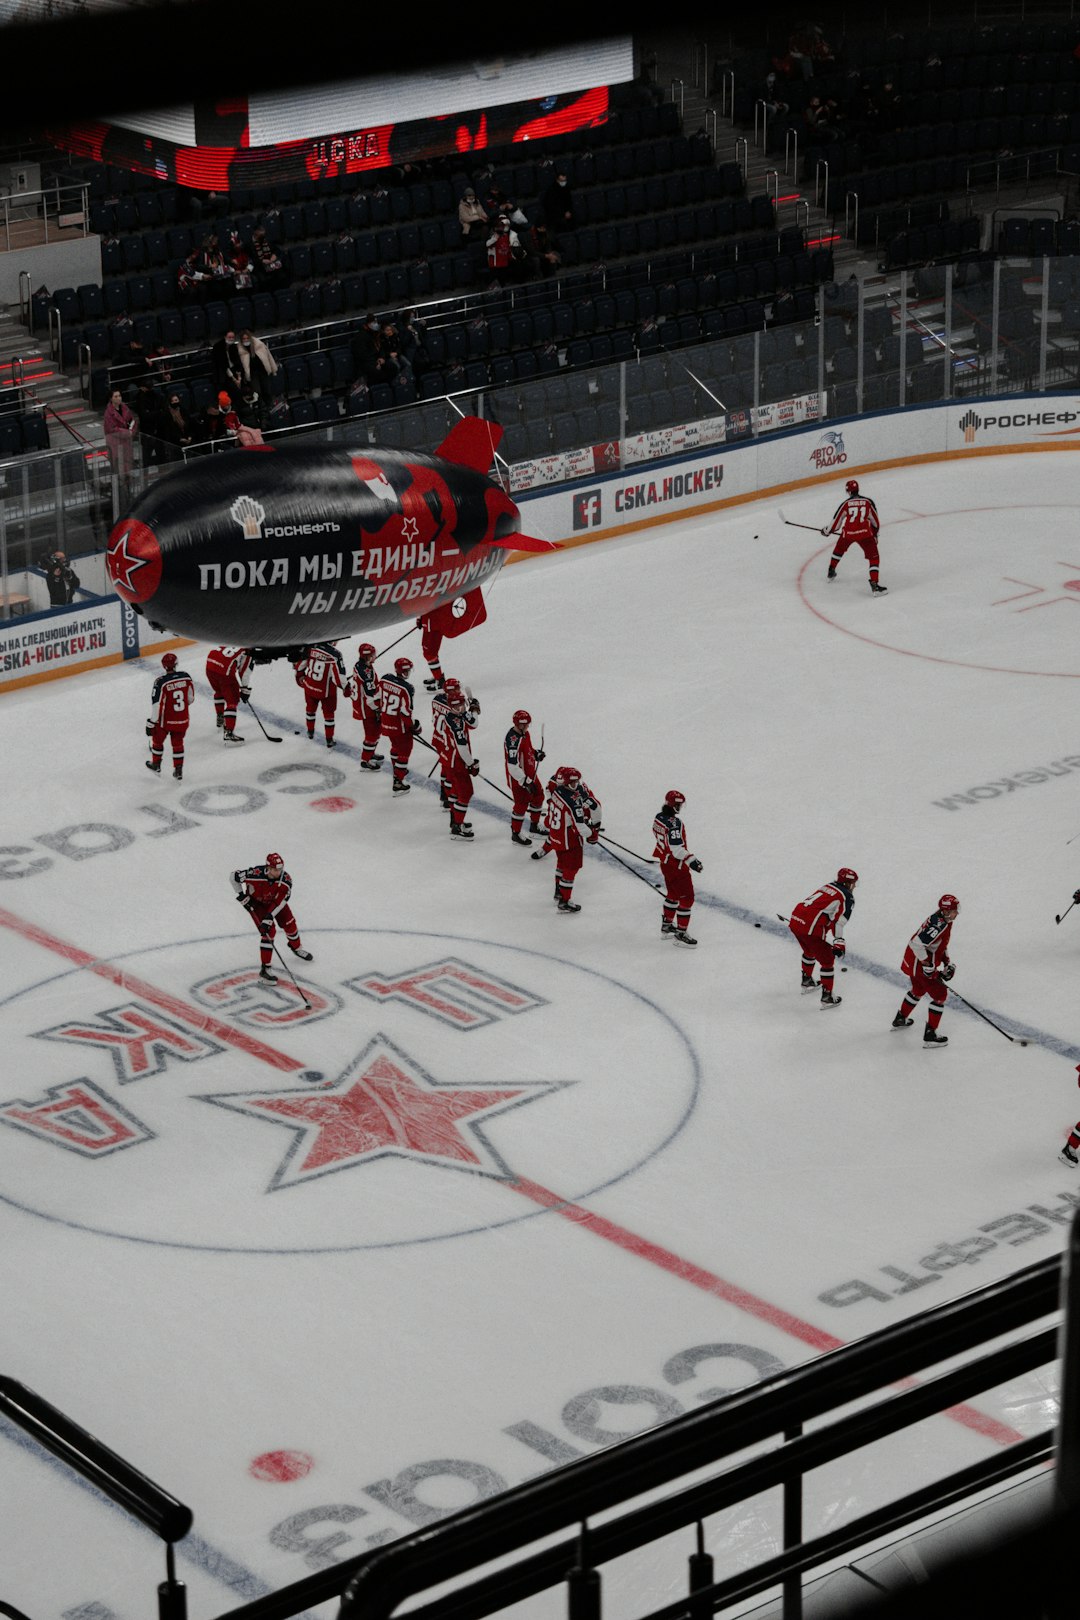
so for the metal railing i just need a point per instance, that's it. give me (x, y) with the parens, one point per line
(30, 218)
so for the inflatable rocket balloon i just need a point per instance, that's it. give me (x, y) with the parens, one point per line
(280, 547)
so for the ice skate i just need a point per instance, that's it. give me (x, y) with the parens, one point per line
(459, 829)
(516, 838)
(232, 737)
(219, 721)
(667, 930)
(153, 765)
(683, 938)
(807, 982)
(1068, 1156)
(932, 1038)
(266, 976)
(900, 1022)
(370, 765)
(829, 1000)
(330, 743)
(178, 772)
(298, 950)
(569, 905)
(400, 787)
(879, 590)
(432, 685)
(831, 574)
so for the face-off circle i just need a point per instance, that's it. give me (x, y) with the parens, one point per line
(431, 1083)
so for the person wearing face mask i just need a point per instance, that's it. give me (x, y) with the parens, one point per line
(176, 429)
(472, 216)
(557, 204)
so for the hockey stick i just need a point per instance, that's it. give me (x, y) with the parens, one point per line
(1065, 913)
(258, 722)
(984, 1018)
(638, 875)
(793, 525)
(646, 860)
(292, 976)
(393, 644)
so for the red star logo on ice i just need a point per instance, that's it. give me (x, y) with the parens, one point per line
(384, 1105)
(134, 560)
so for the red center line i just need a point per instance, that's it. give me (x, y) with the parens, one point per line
(709, 1283)
(161, 999)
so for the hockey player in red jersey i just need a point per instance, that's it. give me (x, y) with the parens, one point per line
(571, 818)
(521, 760)
(458, 762)
(366, 692)
(170, 714)
(398, 726)
(676, 864)
(431, 641)
(264, 892)
(322, 676)
(228, 670)
(927, 964)
(856, 522)
(818, 924)
(1068, 1154)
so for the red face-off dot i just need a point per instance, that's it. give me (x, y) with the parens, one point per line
(134, 561)
(278, 1467)
(332, 804)
(1072, 584)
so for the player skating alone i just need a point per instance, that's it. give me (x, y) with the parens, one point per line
(818, 924)
(431, 640)
(398, 726)
(572, 819)
(366, 692)
(926, 963)
(228, 670)
(170, 714)
(856, 523)
(676, 864)
(264, 893)
(322, 676)
(521, 760)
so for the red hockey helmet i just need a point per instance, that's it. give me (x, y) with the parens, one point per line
(568, 776)
(402, 665)
(852, 486)
(847, 877)
(455, 699)
(365, 651)
(450, 686)
(675, 798)
(522, 719)
(169, 661)
(949, 902)
(274, 860)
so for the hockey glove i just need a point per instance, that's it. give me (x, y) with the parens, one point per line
(1076, 898)
(149, 728)
(540, 755)
(839, 947)
(474, 768)
(695, 865)
(245, 693)
(948, 970)
(474, 705)
(594, 836)
(246, 901)
(416, 728)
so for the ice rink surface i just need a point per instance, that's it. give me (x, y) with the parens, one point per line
(560, 1180)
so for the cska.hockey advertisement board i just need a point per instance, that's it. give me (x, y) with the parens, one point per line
(278, 547)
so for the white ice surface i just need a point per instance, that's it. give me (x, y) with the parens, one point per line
(198, 1303)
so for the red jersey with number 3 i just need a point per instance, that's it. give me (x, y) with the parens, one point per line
(171, 700)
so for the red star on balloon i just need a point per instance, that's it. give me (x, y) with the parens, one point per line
(384, 1105)
(133, 550)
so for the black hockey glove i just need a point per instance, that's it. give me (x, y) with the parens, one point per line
(245, 693)
(1076, 898)
(695, 865)
(474, 768)
(474, 705)
(540, 755)
(839, 947)
(416, 728)
(246, 901)
(149, 728)
(948, 970)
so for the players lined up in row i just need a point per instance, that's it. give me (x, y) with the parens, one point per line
(568, 815)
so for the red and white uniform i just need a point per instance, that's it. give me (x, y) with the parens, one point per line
(569, 821)
(397, 721)
(228, 671)
(267, 899)
(926, 955)
(674, 854)
(818, 923)
(519, 756)
(322, 676)
(367, 706)
(856, 523)
(458, 763)
(431, 641)
(170, 714)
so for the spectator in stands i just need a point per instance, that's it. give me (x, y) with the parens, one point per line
(497, 203)
(505, 254)
(244, 432)
(212, 262)
(471, 215)
(190, 278)
(557, 204)
(213, 426)
(774, 106)
(62, 581)
(149, 406)
(358, 398)
(176, 427)
(257, 366)
(397, 361)
(411, 334)
(544, 260)
(269, 270)
(121, 430)
(240, 264)
(809, 49)
(819, 131)
(130, 365)
(364, 344)
(225, 360)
